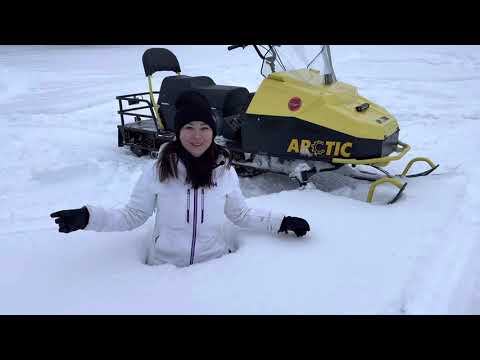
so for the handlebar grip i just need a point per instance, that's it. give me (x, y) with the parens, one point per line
(232, 47)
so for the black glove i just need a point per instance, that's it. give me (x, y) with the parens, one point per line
(298, 225)
(71, 220)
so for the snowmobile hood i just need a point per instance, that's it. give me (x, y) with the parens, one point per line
(332, 106)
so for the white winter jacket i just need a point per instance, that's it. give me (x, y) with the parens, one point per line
(189, 223)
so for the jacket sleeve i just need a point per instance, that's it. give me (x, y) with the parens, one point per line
(239, 213)
(134, 214)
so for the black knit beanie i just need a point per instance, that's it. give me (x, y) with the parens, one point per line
(193, 106)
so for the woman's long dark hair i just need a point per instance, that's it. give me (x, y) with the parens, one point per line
(199, 170)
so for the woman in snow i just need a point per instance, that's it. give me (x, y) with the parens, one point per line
(192, 188)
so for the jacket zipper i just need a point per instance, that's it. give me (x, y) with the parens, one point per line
(188, 206)
(194, 233)
(203, 201)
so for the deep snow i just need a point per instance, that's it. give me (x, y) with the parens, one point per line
(59, 151)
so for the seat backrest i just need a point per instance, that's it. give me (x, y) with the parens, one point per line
(159, 59)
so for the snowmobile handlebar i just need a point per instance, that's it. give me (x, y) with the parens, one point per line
(233, 47)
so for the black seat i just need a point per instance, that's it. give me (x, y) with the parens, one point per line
(171, 87)
(227, 100)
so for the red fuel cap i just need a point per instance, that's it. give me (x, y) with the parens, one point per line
(295, 103)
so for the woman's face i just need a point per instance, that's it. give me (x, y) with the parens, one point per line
(196, 137)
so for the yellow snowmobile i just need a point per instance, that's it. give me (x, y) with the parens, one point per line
(299, 122)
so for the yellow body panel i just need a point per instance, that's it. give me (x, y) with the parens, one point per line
(330, 106)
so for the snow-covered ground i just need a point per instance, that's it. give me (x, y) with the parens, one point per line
(59, 150)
